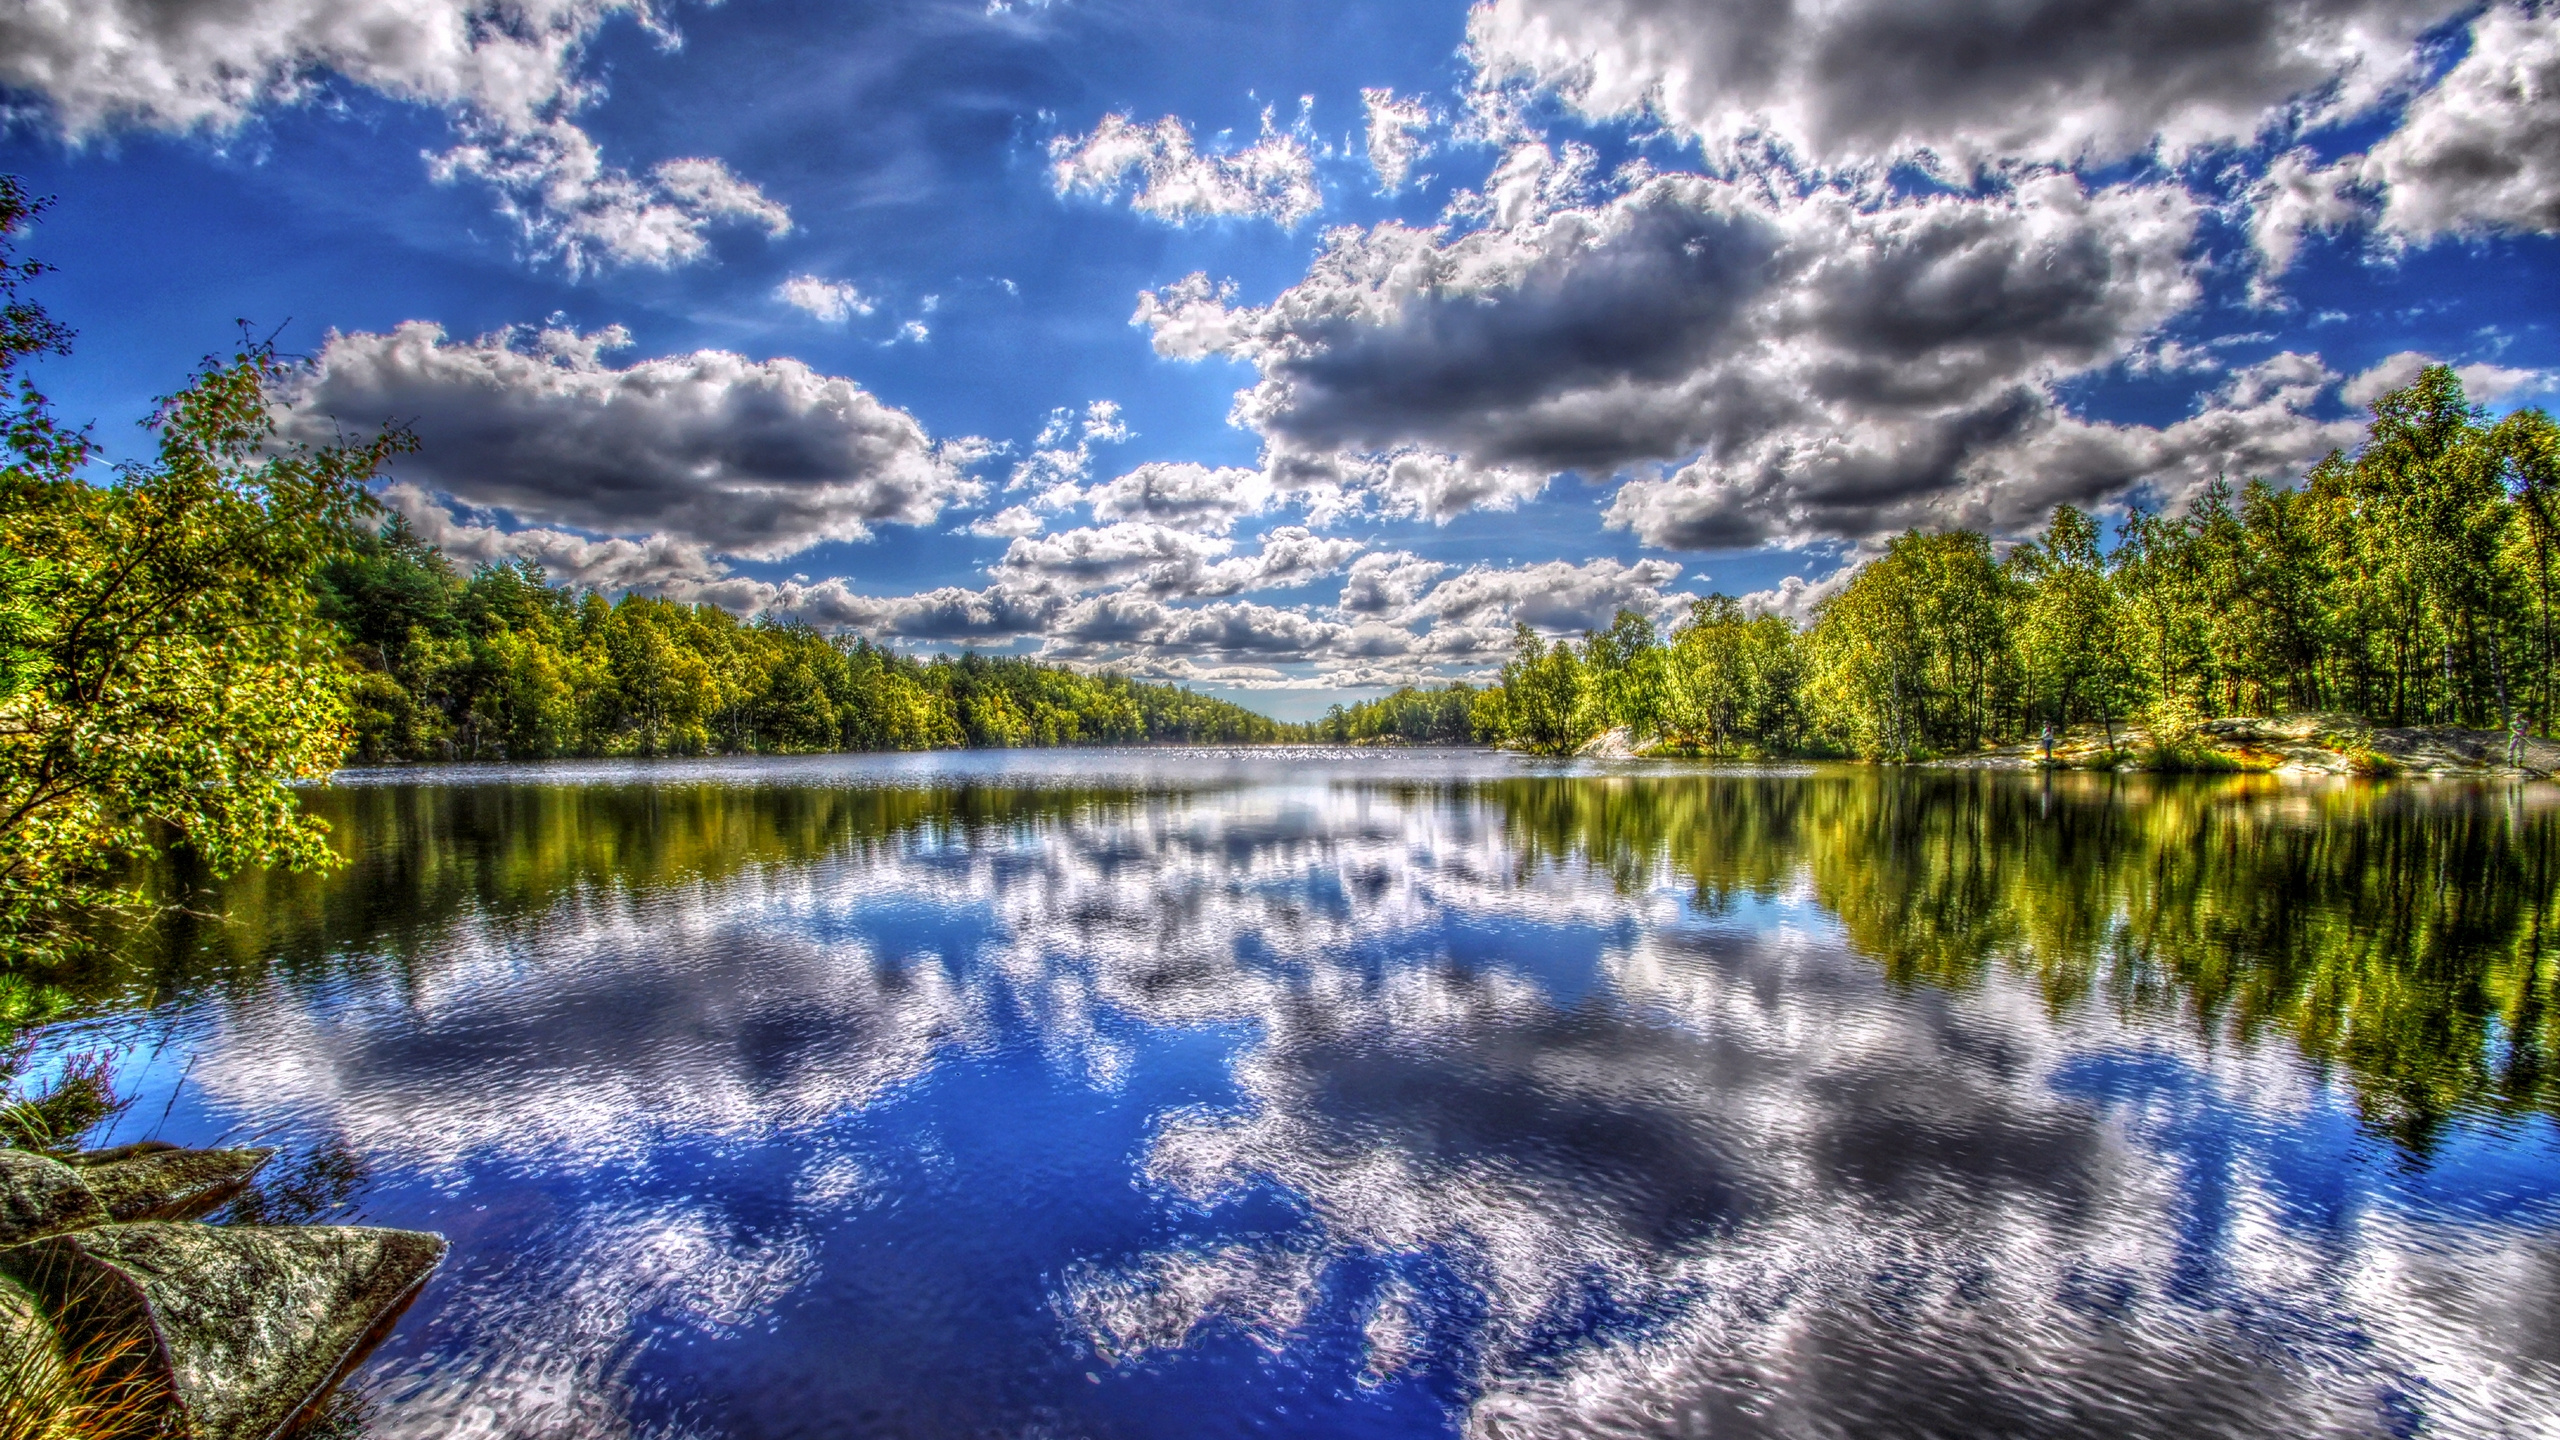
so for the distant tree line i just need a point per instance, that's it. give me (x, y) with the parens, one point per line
(2408, 583)
(1412, 715)
(505, 664)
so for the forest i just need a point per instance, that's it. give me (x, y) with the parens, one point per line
(2409, 583)
(505, 665)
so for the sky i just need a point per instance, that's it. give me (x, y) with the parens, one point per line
(1291, 351)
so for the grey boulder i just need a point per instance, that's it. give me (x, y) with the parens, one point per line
(242, 1328)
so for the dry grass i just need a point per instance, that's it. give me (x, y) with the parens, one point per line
(98, 1388)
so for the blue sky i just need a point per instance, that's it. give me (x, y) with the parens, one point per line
(1289, 350)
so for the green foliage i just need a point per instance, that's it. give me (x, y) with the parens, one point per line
(1442, 716)
(506, 665)
(169, 677)
(2410, 583)
(1733, 685)
(1549, 706)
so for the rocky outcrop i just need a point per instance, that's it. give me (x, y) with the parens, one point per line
(231, 1331)
(1613, 744)
(2311, 744)
(40, 1196)
(172, 1184)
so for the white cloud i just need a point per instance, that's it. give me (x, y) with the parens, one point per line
(210, 64)
(759, 459)
(1184, 495)
(833, 301)
(1103, 425)
(2480, 151)
(1011, 523)
(2297, 196)
(1146, 558)
(1971, 81)
(1056, 468)
(1272, 179)
(509, 74)
(1396, 135)
(1556, 596)
(2483, 382)
(574, 208)
(1387, 582)
(1872, 350)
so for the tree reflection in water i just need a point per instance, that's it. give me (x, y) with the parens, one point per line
(1341, 1094)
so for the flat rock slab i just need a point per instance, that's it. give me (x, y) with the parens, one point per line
(42, 1196)
(244, 1326)
(173, 1184)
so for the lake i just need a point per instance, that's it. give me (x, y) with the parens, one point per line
(1402, 1093)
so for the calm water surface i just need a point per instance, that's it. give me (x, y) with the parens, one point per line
(1357, 1094)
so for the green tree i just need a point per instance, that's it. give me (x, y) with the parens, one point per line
(1625, 662)
(1547, 700)
(2072, 652)
(182, 678)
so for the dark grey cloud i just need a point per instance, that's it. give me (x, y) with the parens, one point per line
(2003, 467)
(1645, 297)
(2059, 81)
(759, 459)
(1823, 352)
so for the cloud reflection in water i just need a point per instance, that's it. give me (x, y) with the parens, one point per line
(1512, 1103)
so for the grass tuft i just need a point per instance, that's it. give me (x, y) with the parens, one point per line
(97, 1389)
(81, 1097)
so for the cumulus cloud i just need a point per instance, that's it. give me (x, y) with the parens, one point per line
(509, 72)
(1874, 350)
(210, 64)
(757, 459)
(2482, 381)
(2297, 196)
(2481, 150)
(1272, 179)
(1387, 582)
(1556, 597)
(2477, 153)
(1149, 628)
(948, 613)
(833, 301)
(1150, 559)
(1972, 81)
(1397, 128)
(1184, 496)
(2006, 479)
(1012, 522)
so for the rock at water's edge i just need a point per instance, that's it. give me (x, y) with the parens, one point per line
(245, 1325)
(173, 1184)
(40, 1197)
